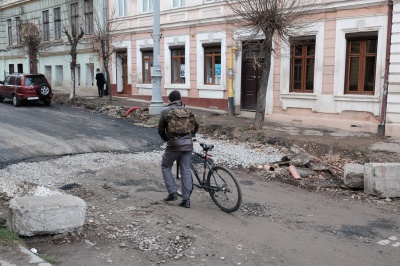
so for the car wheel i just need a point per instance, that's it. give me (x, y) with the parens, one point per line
(44, 90)
(47, 102)
(1, 99)
(16, 101)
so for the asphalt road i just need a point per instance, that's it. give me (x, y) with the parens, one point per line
(34, 131)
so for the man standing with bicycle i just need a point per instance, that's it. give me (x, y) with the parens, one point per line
(177, 126)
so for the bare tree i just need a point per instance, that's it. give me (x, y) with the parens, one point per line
(73, 39)
(267, 21)
(102, 39)
(31, 39)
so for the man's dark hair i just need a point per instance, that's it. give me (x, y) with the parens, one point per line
(174, 96)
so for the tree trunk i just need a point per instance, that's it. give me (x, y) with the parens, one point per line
(32, 61)
(262, 92)
(105, 52)
(73, 66)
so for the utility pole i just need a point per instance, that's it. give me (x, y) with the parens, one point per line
(157, 104)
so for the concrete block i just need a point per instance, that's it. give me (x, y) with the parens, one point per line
(55, 214)
(382, 179)
(354, 176)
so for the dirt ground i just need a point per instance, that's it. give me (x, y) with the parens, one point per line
(282, 221)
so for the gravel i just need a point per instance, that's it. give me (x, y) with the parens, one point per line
(67, 170)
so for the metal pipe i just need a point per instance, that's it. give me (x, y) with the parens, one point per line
(230, 82)
(382, 125)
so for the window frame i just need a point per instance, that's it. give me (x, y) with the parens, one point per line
(57, 23)
(74, 17)
(46, 25)
(212, 49)
(88, 13)
(178, 3)
(147, 56)
(18, 29)
(305, 42)
(362, 56)
(149, 8)
(122, 8)
(9, 31)
(178, 58)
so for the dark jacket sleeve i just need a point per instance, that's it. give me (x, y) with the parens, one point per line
(196, 126)
(162, 126)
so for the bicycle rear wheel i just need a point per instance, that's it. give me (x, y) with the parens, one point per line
(224, 189)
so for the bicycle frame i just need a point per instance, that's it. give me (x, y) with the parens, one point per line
(206, 164)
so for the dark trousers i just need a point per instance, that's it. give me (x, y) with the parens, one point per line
(100, 88)
(168, 159)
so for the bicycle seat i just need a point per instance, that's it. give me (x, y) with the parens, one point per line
(207, 147)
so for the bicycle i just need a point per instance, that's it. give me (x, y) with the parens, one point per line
(219, 182)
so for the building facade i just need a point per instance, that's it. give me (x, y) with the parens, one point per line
(48, 18)
(347, 74)
(337, 79)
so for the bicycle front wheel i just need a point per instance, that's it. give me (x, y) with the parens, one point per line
(224, 189)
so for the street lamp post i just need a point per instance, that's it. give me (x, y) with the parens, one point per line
(157, 104)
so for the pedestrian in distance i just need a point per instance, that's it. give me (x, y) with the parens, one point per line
(100, 81)
(177, 126)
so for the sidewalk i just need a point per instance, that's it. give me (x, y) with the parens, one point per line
(19, 256)
(317, 134)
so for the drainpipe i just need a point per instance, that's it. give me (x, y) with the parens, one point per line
(382, 125)
(230, 82)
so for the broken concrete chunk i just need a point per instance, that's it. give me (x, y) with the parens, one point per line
(56, 214)
(305, 172)
(382, 179)
(354, 176)
(300, 160)
(318, 166)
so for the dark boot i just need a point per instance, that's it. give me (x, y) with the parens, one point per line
(185, 203)
(171, 197)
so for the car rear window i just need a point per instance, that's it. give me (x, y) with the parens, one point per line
(35, 80)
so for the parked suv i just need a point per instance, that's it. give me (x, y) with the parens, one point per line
(26, 87)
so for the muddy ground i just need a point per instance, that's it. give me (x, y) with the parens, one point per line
(312, 221)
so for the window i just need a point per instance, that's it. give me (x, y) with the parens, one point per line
(178, 65)
(57, 23)
(9, 31)
(212, 65)
(7, 81)
(20, 68)
(74, 18)
(147, 66)
(46, 24)
(302, 62)
(18, 29)
(12, 80)
(178, 3)
(122, 8)
(11, 68)
(88, 16)
(18, 80)
(361, 63)
(147, 5)
(47, 73)
(59, 75)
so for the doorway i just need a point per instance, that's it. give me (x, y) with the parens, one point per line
(121, 72)
(252, 68)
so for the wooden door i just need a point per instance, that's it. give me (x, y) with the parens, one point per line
(250, 85)
(124, 73)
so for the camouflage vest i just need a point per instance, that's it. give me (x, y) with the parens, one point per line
(180, 121)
